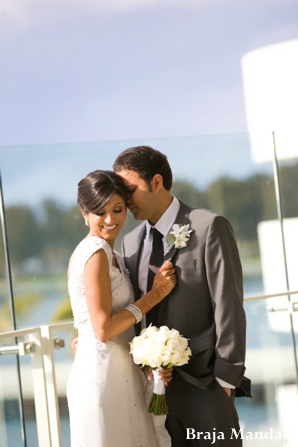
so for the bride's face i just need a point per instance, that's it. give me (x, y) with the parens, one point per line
(108, 222)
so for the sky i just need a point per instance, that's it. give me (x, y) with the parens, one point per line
(94, 70)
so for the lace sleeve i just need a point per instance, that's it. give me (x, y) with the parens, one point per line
(92, 245)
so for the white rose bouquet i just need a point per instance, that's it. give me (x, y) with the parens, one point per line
(159, 348)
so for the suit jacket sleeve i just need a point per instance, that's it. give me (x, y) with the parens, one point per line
(224, 275)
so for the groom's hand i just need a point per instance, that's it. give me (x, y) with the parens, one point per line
(165, 374)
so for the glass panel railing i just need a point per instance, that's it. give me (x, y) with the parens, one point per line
(270, 365)
(215, 172)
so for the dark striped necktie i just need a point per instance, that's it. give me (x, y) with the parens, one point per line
(155, 262)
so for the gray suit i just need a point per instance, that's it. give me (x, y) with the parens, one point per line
(205, 306)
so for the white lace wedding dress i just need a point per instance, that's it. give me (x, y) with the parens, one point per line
(106, 397)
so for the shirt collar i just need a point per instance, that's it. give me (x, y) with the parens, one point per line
(164, 224)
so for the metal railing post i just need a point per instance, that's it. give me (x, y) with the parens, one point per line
(40, 391)
(49, 369)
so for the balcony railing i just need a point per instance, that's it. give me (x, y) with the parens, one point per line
(40, 343)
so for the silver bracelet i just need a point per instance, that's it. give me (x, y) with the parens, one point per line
(135, 311)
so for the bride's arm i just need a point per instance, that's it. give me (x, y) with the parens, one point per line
(99, 297)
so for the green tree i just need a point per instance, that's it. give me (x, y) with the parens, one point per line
(245, 203)
(73, 227)
(61, 229)
(188, 193)
(263, 193)
(23, 233)
(289, 188)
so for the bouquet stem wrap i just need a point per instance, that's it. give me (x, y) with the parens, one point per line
(158, 405)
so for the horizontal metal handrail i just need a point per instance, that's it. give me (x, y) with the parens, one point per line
(20, 332)
(7, 350)
(32, 330)
(271, 295)
(291, 307)
(21, 349)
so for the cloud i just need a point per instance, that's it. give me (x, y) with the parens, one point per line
(25, 12)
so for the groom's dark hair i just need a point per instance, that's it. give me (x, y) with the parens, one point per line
(145, 161)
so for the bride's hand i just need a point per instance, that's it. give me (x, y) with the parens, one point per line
(164, 280)
(74, 344)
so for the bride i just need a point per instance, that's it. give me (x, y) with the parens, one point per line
(107, 402)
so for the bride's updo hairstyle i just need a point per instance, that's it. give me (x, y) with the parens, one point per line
(97, 188)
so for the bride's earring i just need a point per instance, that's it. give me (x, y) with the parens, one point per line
(86, 223)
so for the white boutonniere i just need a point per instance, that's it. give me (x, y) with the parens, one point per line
(179, 235)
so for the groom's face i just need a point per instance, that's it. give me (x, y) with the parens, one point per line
(143, 202)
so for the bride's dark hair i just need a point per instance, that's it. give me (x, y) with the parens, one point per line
(96, 189)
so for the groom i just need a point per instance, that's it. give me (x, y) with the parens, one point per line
(206, 306)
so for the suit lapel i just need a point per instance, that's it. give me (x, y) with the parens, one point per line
(182, 218)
